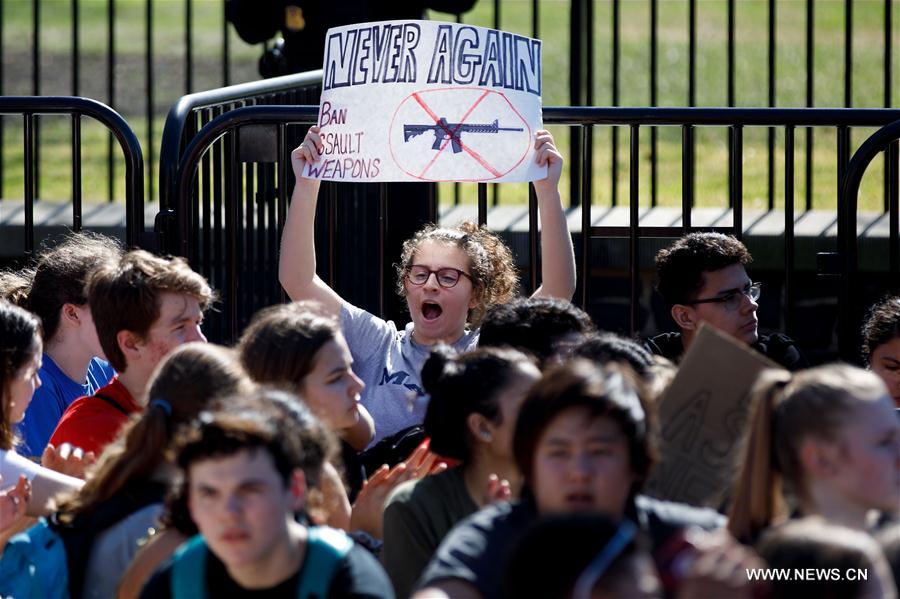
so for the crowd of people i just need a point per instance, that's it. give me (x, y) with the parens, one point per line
(495, 446)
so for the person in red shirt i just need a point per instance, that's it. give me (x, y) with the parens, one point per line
(144, 306)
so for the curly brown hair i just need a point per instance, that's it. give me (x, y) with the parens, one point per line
(491, 264)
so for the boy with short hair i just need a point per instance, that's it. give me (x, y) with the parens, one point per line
(703, 278)
(72, 364)
(244, 483)
(144, 306)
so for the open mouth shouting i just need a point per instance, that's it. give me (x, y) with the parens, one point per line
(431, 310)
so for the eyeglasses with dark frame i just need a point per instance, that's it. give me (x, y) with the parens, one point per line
(733, 299)
(446, 277)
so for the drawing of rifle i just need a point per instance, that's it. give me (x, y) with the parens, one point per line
(452, 131)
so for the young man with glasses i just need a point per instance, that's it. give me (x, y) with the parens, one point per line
(703, 278)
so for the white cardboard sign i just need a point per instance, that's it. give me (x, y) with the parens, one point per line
(429, 101)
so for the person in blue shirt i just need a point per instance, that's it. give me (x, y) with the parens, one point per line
(72, 360)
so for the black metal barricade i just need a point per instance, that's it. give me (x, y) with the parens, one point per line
(241, 302)
(29, 108)
(851, 307)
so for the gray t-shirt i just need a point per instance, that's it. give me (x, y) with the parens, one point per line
(390, 364)
(114, 549)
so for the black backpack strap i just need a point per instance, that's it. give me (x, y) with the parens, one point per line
(112, 402)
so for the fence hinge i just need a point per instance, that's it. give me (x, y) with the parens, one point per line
(164, 229)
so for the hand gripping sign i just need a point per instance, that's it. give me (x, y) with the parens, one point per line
(429, 101)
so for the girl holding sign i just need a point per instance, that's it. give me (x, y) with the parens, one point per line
(449, 277)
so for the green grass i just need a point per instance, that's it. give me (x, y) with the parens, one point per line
(711, 149)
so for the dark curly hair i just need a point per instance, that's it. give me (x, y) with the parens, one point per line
(882, 324)
(470, 383)
(680, 266)
(491, 264)
(534, 324)
(268, 419)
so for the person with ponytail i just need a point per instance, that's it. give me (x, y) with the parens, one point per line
(822, 442)
(474, 404)
(130, 480)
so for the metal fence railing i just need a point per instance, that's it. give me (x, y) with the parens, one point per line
(238, 268)
(111, 49)
(28, 108)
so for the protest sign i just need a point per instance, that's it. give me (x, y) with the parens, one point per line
(702, 419)
(429, 101)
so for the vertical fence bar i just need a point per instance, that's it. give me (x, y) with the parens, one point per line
(736, 181)
(810, 80)
(687, 175)
(232, 195)
(188, 47)
(110, 92)
(729, 52)
(28, 137)
(848, 53)
(634, 222)
(36, 90)
(281, 197)
(482, 203)
(729, 92)
(535, 19)
(2, 136)
(220, 176)
(692, 53)
(789, 229)
(575, 97)
(226, 53)
(205, 198)
(614, 150)
(771, 88)
(76, 172)
(654, 83)
(888, 22)
(533, 237)
(76, 50)
(587, 150)
(250, 283)
(843, 159)
(893, 168)
(148, 67)
(848, 302)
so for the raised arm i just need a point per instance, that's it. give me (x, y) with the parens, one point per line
(557, 255)
(297, 261)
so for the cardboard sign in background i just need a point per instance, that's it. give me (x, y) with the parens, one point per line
(429, 101)
(702, 419)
